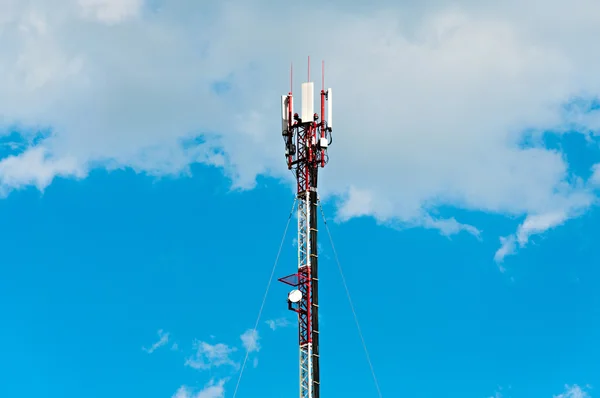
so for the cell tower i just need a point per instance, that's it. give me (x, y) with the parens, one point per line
(307, 137)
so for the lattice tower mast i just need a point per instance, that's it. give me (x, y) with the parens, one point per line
(307, 137)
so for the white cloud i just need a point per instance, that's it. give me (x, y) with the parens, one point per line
(507, 247)
(278, 323)
(570, 392)
(449, 226)
(533, 225)
(35, 167)
(595, 178)
(250, 340)
(208, 356)
(110, 11)
(162, 340)
(499, 392)
(573, 392)
(211, 390)
(433, 99)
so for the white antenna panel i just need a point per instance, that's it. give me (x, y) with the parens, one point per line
(284, 112)
(308, 102)
(329, 106)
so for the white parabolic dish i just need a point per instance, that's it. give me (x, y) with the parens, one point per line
(295, 296)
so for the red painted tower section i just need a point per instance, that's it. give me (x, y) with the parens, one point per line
(307, 137)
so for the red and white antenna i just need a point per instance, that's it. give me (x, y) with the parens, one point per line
(307, 137)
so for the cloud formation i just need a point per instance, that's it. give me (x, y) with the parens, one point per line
(250, 340)
(533, 224)
(209, 356)
(211, 390)
(162, 340)
(275, 324)
(573, 392)
(434, 101)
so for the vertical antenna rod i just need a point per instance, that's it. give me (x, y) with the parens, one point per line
(322, 76)
(306, 141)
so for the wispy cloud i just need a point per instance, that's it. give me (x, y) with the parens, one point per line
(163, 339)
(595, 178)
(449, 226)
(208, 356)
(508, 246)
(573, 391)
(533, 225)
(275, 324)
(498, 393)
(250, 340)
(211, 390)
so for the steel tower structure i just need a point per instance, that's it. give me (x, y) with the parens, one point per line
(307, 137)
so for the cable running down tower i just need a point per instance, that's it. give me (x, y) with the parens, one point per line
(307, 137)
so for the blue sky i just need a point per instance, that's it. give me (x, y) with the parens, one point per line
(94, 268)
(143, 194)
